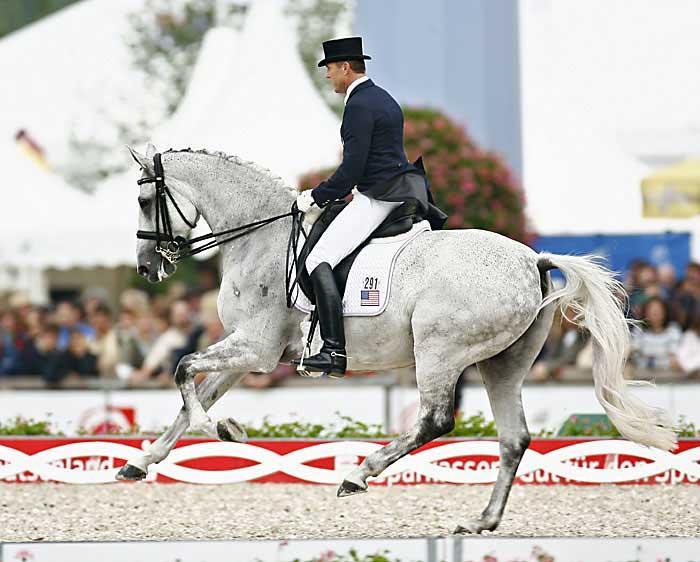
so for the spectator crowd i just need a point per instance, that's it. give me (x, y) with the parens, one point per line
(665, 315)
(140, 341)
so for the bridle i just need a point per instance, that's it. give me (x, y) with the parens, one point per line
(176, 248)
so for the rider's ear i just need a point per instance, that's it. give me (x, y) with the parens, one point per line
(140, 159)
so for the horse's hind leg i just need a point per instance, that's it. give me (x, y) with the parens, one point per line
(503, 376)
(435, 418)
(209, 391)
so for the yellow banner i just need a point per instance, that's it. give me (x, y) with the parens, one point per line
(673, 192)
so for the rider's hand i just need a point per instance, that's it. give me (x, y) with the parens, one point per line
(304, 201)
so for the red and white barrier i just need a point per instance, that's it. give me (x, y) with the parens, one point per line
(201, 461)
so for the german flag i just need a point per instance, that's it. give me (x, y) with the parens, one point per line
(31, 148)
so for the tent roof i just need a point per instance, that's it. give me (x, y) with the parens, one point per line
(80, 63)
(252, 97)
(47, 223)
(65, 68)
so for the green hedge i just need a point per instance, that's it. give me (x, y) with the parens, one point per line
(345, 427)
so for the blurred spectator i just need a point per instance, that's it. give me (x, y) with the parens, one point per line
(685, 304)
(655, 343)
(43, 357)
(688, 354)
(643, 286)
(69, 317)
(148, 335)
(13, 341)
(92, 298)
(35, 318)
(209, 314)
(667, 283)
(130, 350)
(158, 363)
(563, 345)
(117, 350)
(135, 301)
(77, 360)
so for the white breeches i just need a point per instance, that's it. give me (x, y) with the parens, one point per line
(350, 228)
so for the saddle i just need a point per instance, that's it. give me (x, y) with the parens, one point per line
(400, 220)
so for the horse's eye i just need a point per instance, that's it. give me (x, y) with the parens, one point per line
(144, 202)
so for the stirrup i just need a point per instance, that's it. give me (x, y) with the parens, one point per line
(300, 367)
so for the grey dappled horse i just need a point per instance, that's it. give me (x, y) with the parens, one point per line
(458, 298)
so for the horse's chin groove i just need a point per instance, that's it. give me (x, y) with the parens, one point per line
(131, 472)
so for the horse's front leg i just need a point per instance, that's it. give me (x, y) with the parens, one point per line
(209, 391)
(232, 355)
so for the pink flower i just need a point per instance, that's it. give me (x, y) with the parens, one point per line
(455, 221)
(468, 186)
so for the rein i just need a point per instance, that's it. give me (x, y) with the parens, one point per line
(177, 248)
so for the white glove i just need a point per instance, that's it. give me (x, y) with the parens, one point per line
(305, 200)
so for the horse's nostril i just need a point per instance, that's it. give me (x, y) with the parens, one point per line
(143, 270)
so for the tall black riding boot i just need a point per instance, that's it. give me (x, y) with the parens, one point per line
(331, 359)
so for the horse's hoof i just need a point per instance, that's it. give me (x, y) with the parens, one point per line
(230, 430)
(131, 472)
(474, 527)
(348, 488)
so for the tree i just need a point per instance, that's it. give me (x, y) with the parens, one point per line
(475, 188)
(15, 14)
(318, 21)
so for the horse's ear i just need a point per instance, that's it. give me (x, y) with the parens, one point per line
(151, 151)
(140, 159)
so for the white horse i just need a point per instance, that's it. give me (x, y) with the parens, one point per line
(458, 298)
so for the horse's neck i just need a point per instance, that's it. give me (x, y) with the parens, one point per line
(230, 194)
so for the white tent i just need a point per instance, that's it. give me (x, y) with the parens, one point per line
(248, 96)
(251, 96)
(47, 223)
(62, 71)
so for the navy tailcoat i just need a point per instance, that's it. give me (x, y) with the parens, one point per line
(373, 156)
(372, 133)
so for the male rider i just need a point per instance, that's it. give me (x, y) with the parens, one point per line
(373, 159)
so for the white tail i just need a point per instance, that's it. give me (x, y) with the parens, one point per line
(597, 300)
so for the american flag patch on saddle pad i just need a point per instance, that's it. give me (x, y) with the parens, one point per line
(369, 298)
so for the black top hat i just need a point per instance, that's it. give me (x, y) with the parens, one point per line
(348, 48)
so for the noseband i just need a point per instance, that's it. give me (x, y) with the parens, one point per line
(176, 248)
(167, 245)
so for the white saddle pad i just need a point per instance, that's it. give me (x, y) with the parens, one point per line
(369, 281)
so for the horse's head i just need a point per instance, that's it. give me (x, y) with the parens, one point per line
(182, 214)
